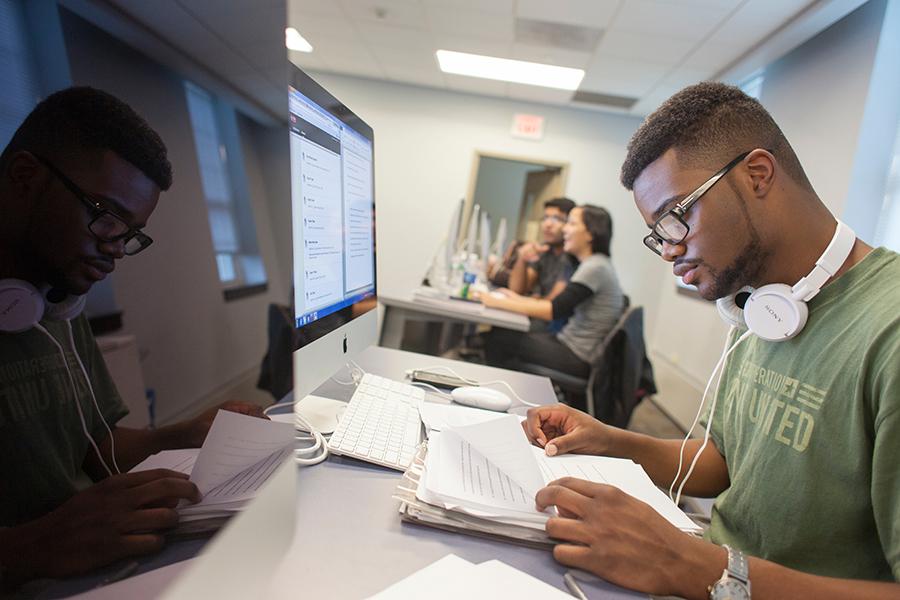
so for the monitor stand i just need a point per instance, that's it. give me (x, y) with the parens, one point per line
(322, 413)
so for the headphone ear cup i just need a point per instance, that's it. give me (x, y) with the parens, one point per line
(66, 309)
(773, 313)
(731, 308)
(21, 306)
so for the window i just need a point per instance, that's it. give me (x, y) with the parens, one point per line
(888, 232)
(227, 198)
(752, 85)
(20, 86)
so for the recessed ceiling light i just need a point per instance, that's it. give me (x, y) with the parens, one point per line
(504, 69)
(294, 41)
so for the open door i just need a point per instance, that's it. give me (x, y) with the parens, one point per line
(540, 186)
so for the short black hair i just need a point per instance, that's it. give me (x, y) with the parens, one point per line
(598, 222)
(708, 124)
(565, 205)
(76, 119)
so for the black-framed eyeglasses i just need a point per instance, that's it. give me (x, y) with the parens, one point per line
(105, 225)
(671, 227)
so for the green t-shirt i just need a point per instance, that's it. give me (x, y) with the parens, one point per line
(810, 430)
(42, 444)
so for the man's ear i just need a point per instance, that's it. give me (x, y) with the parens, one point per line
(761, 167)
(25, 174)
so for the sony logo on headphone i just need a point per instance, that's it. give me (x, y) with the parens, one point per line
(773, 313)
(12, 305)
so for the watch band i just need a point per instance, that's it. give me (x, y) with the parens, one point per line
(737, 564)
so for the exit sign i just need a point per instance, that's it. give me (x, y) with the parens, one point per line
(529, 127)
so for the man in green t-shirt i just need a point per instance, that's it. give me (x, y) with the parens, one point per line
(78, 181)
(805, 438)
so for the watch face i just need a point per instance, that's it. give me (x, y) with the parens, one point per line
(730, 590)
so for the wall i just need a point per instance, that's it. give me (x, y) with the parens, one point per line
(196, 345)
(499, 189)
(817, 94)
(425, 141)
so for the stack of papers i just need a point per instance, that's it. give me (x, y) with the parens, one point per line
(239, 455)
(452, 578)
(488, 470)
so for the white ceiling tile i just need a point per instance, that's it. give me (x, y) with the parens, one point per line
(684, 77)
(397, 13)
(405, 38)
(362, 66)
(314, 7)
(713, 57)
(650, 48)
(471, 23)
(534, 93)
(321, 30)
(443, 41)
(622, 77)
(756, 20)
(670, 20)
(426, 77)
(387, 55)
(475, 85)
(717, 4)
(497, 7)
(305, 60)
(551, 56)
(586, 13)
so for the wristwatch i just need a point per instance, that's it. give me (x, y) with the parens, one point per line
(735, 581)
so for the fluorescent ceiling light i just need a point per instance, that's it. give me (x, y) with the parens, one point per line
(294, 41)
(503, 69)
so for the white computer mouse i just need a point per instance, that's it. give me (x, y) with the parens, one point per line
(481, 397)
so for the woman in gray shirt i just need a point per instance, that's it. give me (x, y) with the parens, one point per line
(592, 301)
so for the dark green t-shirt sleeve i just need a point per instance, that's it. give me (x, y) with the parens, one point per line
(885, 466)
(108, 399)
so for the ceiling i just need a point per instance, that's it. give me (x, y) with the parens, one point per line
(640, 49)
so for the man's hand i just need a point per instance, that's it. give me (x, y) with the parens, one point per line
(625, 541)
(121, 516)
(561, 429)
(531, 251)
(198, 427)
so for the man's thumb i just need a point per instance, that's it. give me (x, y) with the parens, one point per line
(563, 444)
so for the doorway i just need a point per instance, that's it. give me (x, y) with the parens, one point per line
(513, 188)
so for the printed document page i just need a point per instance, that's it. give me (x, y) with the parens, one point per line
(234, 443)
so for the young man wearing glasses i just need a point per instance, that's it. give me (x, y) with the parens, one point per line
(78, 182)
(802, 458)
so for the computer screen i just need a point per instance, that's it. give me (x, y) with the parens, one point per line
(333, 209)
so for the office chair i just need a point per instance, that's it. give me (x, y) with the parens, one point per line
(620, 373)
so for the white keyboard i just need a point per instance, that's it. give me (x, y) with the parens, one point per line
(381, 424)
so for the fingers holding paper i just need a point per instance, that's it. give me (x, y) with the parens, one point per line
(561, 429)
(607, 532)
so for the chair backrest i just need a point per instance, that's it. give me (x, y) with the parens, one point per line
(621, 375)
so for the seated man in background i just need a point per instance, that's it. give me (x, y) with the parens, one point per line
(78, 181)
(804, 440)
(542, 270)
(591, 303)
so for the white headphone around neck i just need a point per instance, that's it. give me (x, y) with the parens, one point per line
(22, 306)
(777, 311)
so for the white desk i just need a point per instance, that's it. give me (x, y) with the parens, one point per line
(399, 309)
(350, 542)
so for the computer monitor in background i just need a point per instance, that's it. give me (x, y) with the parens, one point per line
(333, 214)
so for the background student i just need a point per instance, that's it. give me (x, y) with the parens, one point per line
(592, 301)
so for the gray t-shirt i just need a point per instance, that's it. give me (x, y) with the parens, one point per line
(596, 316)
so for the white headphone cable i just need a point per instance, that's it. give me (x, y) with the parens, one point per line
(712, 413)
(112, 439)
(75, 394)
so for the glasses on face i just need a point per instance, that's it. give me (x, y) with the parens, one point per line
(105, 225)
(554, 218)
(671, 227)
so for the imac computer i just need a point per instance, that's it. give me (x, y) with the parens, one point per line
(333, 213)
(333, 224)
